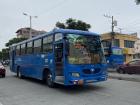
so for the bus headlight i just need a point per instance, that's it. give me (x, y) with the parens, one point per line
(75, 75)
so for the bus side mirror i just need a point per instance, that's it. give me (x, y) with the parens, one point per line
(66, 47)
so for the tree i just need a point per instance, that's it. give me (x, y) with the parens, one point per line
(14, 40)
(137, 2)
(74, 24)
(0, 55)
(4, 54)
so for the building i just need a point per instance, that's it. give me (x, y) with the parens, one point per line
(125, 41)
(137, 49)
(25, 32)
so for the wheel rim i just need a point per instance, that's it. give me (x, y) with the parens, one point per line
(49, 79)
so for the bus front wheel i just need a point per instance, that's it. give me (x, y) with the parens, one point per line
(49, 80)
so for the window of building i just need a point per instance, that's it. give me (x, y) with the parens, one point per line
(106, 43)
(18, 50)
(33, 32)
(129, 44)
(37, 45)
(29, 47)
(117, 42)
(23, 49)
(47, 44)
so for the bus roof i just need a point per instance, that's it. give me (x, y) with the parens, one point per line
(75, 31)
(71, 31)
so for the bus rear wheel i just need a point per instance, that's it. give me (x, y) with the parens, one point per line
(49, 80)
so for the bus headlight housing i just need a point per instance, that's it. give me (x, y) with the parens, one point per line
(75, 75)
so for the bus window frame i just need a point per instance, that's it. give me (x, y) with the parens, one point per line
(27, 47)
(52, 44)
(59, 38)
(15, 48)
(33, 47)
(24, 49)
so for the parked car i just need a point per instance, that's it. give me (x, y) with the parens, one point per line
(132, 67)
(5, 62)
(2, 70)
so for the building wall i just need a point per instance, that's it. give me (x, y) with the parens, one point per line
(25, 33)
(128, 52)
(137, 49)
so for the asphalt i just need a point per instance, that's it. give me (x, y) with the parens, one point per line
(27, 91)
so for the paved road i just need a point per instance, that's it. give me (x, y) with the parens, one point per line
(14, 91)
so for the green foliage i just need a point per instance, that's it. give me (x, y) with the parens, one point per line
(74, 24)
(60, 25)
(4, 54)
(14, 40)
(0, 55)
(137, 2)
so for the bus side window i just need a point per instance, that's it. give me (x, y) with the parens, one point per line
(29, 47)
(47, 44)
(18, 50)
(23, 49)
(37, 45)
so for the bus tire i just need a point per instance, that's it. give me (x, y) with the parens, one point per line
(49, 80)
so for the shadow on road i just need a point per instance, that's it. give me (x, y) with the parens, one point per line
(61, 88)
(67, 89)
(79, 89)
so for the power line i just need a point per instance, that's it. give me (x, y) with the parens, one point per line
(120, 29)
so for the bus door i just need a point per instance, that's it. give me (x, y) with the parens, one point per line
(59, 62)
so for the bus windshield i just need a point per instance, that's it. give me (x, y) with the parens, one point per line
(117, 51)
(84, 49)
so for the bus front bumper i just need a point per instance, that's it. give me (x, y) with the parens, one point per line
(86, 80)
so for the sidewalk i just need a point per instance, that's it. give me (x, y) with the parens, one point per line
(127, 77)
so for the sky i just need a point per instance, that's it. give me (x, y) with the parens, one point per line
(125, 12)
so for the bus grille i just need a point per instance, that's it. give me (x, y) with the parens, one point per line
(88, 71)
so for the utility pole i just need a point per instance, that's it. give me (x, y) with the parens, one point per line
(112, 33)
(30, 26)
(30, 32)
(113, 23)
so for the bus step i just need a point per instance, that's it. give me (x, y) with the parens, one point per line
(59, 79)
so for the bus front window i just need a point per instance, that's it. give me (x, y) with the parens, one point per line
(84, 49)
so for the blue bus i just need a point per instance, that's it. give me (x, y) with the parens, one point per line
(114, 57)
(64, 56)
